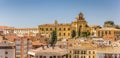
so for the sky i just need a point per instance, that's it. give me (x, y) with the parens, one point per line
(31, 13)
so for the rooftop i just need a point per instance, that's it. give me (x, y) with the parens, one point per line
(109, 50)
(110, 29)
(48, 51)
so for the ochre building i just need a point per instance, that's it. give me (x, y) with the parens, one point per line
(79, 25)
(109, 33)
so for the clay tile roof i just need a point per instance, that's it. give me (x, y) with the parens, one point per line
(109, 50)
(11, 38)
(83, 47)
(109, 29)
(37, 43)
(5, 27)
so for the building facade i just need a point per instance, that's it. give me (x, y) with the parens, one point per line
(109, 33)
(48, 52)
(3, 28)
(22, 46)
(7, 49)
(65, 30)
(94, 29)
(108, 52)
(81, 52)
(21, 31)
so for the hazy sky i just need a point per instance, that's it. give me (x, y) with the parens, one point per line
(31, 13)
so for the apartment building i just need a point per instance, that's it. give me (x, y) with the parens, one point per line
(22, 47)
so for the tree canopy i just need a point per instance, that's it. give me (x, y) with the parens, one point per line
(109, 22)
(53, 38)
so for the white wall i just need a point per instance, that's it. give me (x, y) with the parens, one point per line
(11, 53)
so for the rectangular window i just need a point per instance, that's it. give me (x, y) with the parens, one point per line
(50, 56)
(68, 34)
(89, 52)
(59, 29)
(50, 29)
(102, 32)
(84, 56)
(109, 32)
(68, 29)
(70, 56)
(98, 33)
(64, 29)
(54, 56)
(106, 32)
(64, 34)
(89, 57)
(46, 29)
(59, 57)
(59, 34)
(6, 52)
(40, 56)
(44, 56)
(93, 52)
(42, 29)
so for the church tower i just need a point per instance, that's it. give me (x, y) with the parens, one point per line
(56, 24)
(80, 17)
(81, 24)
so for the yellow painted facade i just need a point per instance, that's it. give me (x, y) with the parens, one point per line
(109, 33)
(81, 53)
(65, 30)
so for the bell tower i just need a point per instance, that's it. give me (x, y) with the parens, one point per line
(80, 17)
(81, 24)
(55, 22)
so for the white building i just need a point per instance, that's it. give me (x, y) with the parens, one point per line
(7, 49)
(21, 31)
(101, 42)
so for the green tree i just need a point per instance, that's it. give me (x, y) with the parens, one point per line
(85, 34)
(73, 33)
(53, 38)
(109, 24)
